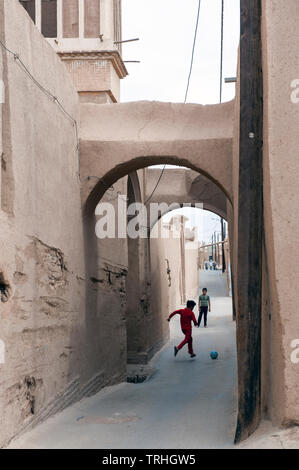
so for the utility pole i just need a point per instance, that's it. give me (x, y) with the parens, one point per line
(215, 252)
(250, 220)
(221, 53)
(183, 257)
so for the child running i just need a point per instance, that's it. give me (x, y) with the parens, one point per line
(187, 317)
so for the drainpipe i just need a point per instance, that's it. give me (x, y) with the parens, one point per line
(223, 252)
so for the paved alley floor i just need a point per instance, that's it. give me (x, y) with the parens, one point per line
(185, 404)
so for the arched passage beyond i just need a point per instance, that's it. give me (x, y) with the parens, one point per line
(140, 308)
(161, 214)
(178, 187)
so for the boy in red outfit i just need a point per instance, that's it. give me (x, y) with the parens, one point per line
(187, 317)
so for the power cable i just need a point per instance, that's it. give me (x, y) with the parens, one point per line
(193, 50)
(157, 184)
(221, 79)
(186, 92)
(44, 90)
(59, 104)
(53, 98)
(221, 53)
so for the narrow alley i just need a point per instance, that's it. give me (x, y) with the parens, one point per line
(184, 404)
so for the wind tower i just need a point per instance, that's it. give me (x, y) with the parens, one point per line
(86, 34)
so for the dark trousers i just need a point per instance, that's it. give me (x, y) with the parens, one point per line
(203, 313)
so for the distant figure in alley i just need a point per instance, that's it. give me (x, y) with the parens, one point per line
(187, 317)
(204, 304)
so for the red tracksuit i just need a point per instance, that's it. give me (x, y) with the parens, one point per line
(187, 317)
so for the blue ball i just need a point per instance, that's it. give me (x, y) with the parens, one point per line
(214, 355)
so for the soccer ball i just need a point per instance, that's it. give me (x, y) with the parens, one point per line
(214, 355)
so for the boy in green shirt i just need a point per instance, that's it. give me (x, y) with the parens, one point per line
(204, 304)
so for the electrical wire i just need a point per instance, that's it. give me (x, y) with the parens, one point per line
(186, 92)
(221, 53)
(59, 104)
(157, 184)
(44, 90)
(54, 98)
(193, 50)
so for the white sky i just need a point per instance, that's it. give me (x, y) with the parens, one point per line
(166, 31)
(207, 223)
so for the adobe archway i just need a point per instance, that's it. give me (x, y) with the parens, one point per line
(136, 354)
(145, 134)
